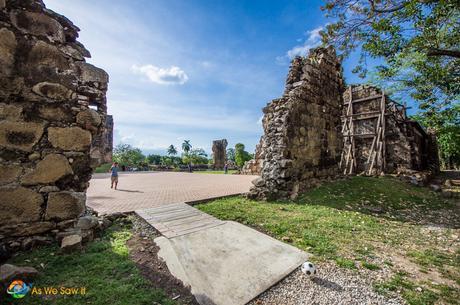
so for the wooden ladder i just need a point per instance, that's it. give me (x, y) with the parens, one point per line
(348, 159)
(377, 152)
(378, 149)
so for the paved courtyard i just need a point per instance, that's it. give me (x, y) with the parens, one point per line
(141, 190)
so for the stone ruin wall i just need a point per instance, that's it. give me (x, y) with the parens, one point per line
(102, 145)
(219, 153)
(52, 106)
(407, 144)
(254, 166)
(302, 142)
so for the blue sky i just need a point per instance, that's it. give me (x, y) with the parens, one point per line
(198, 70)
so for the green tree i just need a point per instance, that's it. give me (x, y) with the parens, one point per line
(127, 155)
(154, 159)
(231, 154)
(172, 151)
(186, 146)
(241, 156)
(447, 128)
(195, 156)
(416, 41)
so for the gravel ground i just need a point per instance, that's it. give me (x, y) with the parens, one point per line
(332, 285)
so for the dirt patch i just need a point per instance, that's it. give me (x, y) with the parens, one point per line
(144, 252)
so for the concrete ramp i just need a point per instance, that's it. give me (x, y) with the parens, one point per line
(225, 263)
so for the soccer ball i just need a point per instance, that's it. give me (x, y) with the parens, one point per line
(308, 268)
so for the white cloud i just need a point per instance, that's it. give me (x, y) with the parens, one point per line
(313, 40)
(163, 76)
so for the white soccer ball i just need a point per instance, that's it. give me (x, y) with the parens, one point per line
(308, 268)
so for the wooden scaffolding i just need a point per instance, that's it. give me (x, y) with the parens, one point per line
(376, 156)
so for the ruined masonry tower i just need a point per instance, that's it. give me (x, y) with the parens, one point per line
(302, 140)
(52, 107)
(219, 153)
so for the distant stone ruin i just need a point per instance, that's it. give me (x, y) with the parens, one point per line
(380, 138)
(302, 142)
(52, 107)
(219, 153)
(254, 166)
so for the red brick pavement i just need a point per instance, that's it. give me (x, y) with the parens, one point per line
(142, 190)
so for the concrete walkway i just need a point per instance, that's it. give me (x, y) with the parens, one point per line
(142, 190)
(224, 262)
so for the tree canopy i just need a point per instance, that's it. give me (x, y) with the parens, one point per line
(172, 151)
(186, 146)
(417, 42)
(195, 156)
(241, 156)
(125, 154)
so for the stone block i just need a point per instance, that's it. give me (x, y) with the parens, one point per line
(91, 74)
(55, 92)
(9, 173)
(10, 272)
(89, 117)
(72, 138)
(65, 205)
(38, 24)
(20, 135)
(27, 228)
(43, 54)
(53, 113)
(10, 112)
(7, 50)
(71, 243)
(49, 170)
(18, 205)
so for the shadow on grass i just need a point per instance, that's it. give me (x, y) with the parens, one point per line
(388, 198)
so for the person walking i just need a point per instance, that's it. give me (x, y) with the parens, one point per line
(226, 168)
(114, 175)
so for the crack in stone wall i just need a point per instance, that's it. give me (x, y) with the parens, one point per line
(302, 140)
(52, 107)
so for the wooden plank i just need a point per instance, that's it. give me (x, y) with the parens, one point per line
(383, 132)
(369, 98)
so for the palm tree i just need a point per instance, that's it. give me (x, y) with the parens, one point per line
(186, 146)
(172, 151)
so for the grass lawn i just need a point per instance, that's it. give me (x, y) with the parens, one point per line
(104, 268)
(366, 222)
(230, 172)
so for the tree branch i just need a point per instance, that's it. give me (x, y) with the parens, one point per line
(441, 52)
(386, 10)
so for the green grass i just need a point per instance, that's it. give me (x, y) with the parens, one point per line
(353, 220)
(104, 268)
(440, 294)
(104, 168)
(230, 172)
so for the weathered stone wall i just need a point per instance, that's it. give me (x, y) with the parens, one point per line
(407, 144)
(219, 153)
(102, 145)
(52, 106)
(302, 142)
(254, 166)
